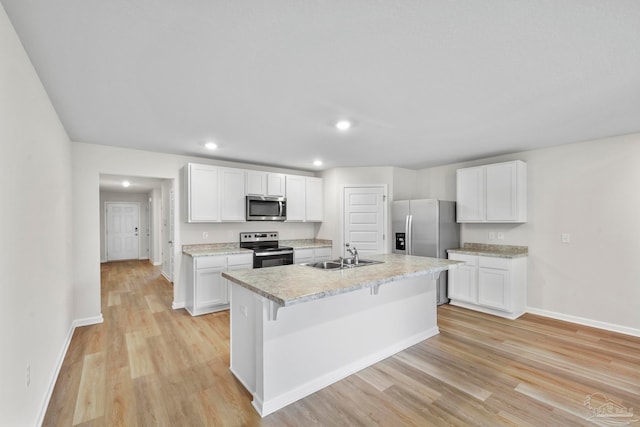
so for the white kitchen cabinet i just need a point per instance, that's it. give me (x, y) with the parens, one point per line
(313, 200)
(306, 255)
(276, 184)
(207, 291)
(201, 193)
(232, 200)
(321, 254)
(462, 280)
(489, 284)
(296, 198)
(304, 199)
(495, 193)
(256, 183)
(265, 184)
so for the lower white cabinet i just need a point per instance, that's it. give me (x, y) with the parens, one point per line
(207, 291)
(489, 284)
(311, 255)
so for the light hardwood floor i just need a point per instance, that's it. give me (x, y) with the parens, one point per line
(149, 365)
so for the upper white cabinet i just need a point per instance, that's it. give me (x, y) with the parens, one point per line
(265, 184)
(492, 193)
(313, 201)
(217, 194)
(256, 183)
(201, 193)
(276, 184)
(304, 198)
(232, 201)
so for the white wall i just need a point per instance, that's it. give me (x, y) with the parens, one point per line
(400, 184)
(592, 191)
(36, 295)
(89, 161)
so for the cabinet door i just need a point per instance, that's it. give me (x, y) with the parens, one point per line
(275, 184)
(462, 279)
(232, 200)
(494, 288)
(313, 199)
(470, 194)
(296, 202)
(210, 288)
(256, 183)
(321, 254)
(501, 190)
(202, 193)
(302, 255)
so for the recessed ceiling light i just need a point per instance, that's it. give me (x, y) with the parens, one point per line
(343, 125)
(211, 145)
(317, 162)
(125, 184)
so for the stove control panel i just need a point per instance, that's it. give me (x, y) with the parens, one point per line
(259, 237)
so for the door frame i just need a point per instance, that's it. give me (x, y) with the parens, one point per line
(385, 213)
(106, 225)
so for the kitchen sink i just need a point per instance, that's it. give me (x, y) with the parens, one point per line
(335, 264)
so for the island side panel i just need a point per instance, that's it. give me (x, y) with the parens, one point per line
(314, 344)
(245, 314)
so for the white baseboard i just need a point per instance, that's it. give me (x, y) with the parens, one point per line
(586, 322)
(178, 305)
(88, 321)
(63, 353)
(157, 263)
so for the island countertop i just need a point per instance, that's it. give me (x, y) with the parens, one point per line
(294, 284)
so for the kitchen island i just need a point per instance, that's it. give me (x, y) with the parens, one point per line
(296, 329)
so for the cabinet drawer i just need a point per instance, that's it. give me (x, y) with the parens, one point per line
(323, 252)
(471, 260)
(303, 255)
(494, 262)
(211, 261)
(240, 259)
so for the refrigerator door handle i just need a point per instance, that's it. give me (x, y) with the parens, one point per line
(408, 238)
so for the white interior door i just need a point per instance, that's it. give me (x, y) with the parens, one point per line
(123, 234)
(171, 234)
(364, 219)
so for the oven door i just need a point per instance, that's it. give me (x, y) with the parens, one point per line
(272, 258)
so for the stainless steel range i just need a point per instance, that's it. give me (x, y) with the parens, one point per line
(266, 250)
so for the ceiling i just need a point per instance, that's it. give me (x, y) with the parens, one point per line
(136, 184)
(425, 82)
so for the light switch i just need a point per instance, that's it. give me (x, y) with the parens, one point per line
(500, 235)
(492, 235)
(566, 238)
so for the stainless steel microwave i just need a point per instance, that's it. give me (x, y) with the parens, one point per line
(264, 208)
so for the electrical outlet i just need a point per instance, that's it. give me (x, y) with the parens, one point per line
(565, 238)
(28, 376)
(500, 235)
(205, 235)
(492, 235)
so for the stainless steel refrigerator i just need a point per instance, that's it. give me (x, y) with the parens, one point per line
(426, 227)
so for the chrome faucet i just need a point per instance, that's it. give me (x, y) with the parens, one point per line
(354, 253)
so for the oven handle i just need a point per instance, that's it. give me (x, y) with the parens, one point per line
(273, 253)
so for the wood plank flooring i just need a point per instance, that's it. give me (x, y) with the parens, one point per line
(149, 365)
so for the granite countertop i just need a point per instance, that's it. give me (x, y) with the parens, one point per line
(294, 284)
(498, 251)
(209, 249)
(307, 243)
(214, 249)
